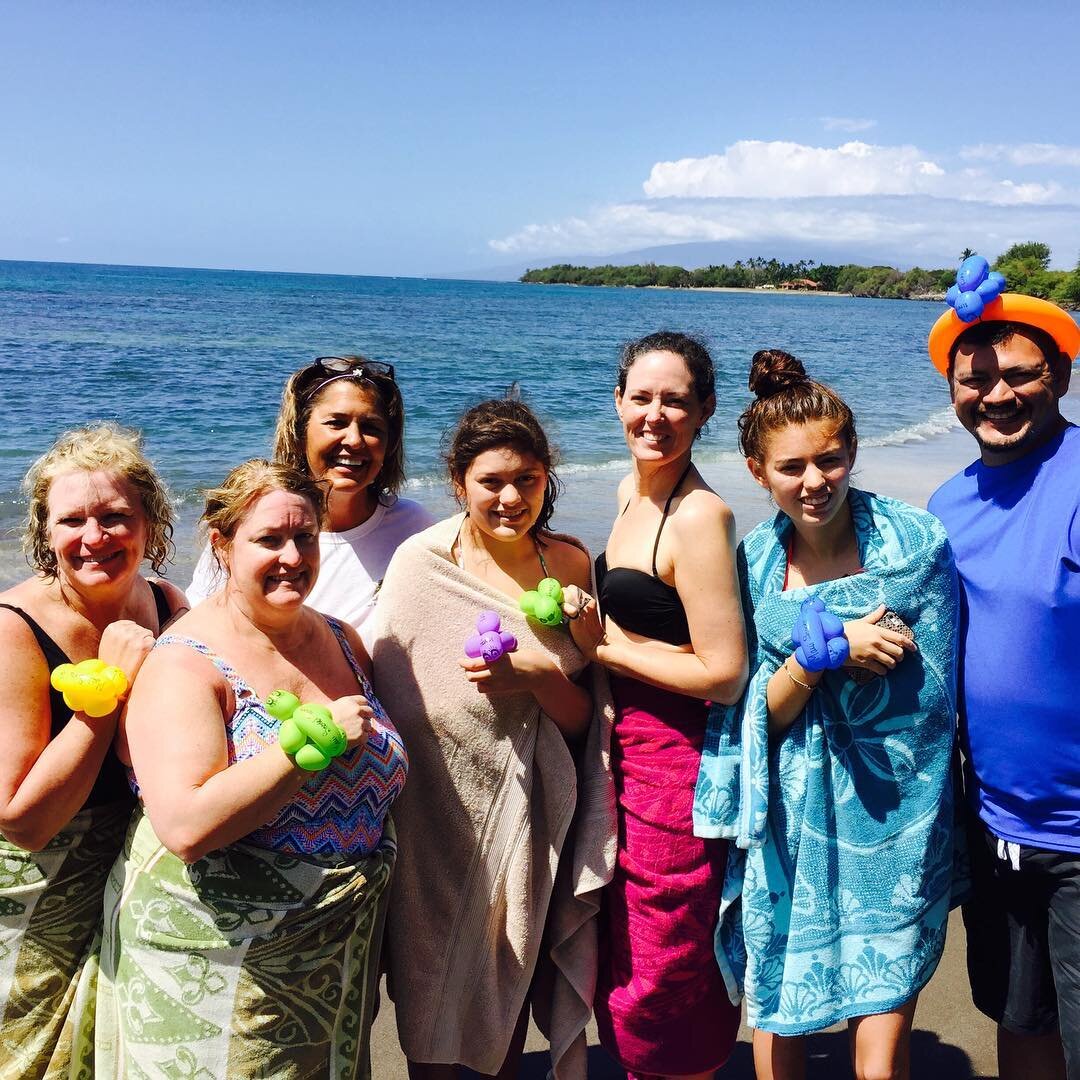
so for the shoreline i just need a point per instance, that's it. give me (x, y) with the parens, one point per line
(759, 290)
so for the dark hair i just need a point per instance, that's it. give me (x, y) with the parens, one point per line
(991, 333)
(297, 404)
(786, 395)
(693, 352)
(500, 422)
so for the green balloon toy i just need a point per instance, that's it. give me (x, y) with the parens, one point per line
(544, 603)
(308, 733)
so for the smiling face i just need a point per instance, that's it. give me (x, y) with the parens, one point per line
(273, 556)
(1007, 396)
(659, 409)
(503, 491)
(807, 471)
(97, 528)
(346, 437)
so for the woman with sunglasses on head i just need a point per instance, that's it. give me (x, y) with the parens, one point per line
(495, 891)
(97, 511)
(342, 420)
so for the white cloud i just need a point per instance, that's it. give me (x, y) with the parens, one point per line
(779, 170)
(909, 229)
(852, 125)
(856, 193)
(1024, 154)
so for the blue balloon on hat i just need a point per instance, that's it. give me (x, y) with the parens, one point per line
(976, 286)
(969, 306)
(992, 287)
(973, 271)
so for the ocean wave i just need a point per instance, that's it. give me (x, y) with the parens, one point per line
(939, 423)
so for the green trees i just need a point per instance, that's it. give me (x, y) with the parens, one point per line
(1067, 291)
(1025, 266)
(1026, 269)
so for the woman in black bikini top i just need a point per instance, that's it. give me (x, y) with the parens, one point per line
(672, 638)
(643, 603)
(97, 510)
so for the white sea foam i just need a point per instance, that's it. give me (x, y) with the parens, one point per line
(939, 423)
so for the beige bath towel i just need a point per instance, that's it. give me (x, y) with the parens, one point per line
(495, 801)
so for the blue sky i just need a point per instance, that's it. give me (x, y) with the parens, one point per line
(419, 138)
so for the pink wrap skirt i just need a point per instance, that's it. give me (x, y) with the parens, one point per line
(661, 1005)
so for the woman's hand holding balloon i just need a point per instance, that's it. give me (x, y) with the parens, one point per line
(513, 672)
(355, 716)
(586, 626)
(125, 644)
(873, 648)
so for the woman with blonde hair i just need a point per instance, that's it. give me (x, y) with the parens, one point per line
(97, 510)
(342, 420)
(243, 919)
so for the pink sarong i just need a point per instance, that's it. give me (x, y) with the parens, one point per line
(661, 1006)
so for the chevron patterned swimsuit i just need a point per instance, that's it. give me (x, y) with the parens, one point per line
(340, 810)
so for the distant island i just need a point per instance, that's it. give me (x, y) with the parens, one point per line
(1025, 266)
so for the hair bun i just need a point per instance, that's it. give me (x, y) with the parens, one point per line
(773, 370)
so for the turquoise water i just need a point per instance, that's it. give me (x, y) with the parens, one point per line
(197, 358)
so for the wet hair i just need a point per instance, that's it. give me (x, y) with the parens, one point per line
(785, 394)
(228, 505)
(991, 333)
(298, 402)
(692, 350)
(103, 447)
(503, 422)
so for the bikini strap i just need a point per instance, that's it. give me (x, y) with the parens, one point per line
(663, 517)
(365, 683)
(239, 687)
(50, 650)
(161, 603)
(540, 556)
(346, 648)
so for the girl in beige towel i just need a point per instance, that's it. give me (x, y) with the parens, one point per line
(493, 789)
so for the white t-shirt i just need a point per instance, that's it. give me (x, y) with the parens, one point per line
(353, 563)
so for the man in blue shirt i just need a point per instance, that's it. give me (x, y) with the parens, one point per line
(1013, 518)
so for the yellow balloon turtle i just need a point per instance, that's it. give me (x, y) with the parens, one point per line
(90, 686)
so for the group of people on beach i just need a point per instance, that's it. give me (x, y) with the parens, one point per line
(721, 772)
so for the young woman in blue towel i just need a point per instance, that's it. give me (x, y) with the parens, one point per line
(833, 774)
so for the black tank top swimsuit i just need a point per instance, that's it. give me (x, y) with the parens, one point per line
(642, 603)
(111, 784)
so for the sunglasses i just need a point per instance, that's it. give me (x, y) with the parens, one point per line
(329, 368)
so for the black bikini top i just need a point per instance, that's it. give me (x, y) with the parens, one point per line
(111, 783)
(641, 603)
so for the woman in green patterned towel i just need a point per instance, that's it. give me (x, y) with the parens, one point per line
(244, 916)
(96, 510)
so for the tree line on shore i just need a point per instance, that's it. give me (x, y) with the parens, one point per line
(1026, 268)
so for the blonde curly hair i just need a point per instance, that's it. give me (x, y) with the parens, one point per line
(105, 447)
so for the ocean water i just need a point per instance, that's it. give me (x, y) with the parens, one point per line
(197, 359)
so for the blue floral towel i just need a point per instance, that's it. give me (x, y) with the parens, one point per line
(837, 893)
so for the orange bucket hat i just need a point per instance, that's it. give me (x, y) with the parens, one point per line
(977, 296)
